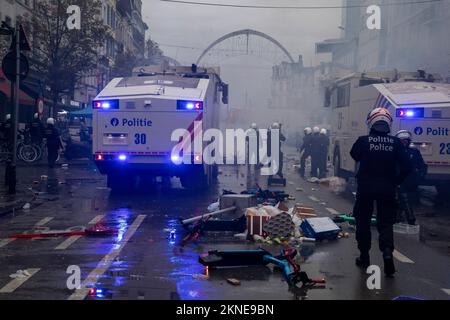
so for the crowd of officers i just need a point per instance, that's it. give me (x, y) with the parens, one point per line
(315, 146)
(37, 133)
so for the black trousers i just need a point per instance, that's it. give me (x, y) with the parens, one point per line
(52, 155)
(406, 211)
(303, 158)
(386, 212)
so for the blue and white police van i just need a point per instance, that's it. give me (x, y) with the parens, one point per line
(418, 102)
(134, 118)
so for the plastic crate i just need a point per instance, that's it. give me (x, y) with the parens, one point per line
(320, 228)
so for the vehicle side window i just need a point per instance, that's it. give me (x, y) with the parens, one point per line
(343, 96)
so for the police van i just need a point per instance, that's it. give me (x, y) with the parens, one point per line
(418, 103)
(134, 118)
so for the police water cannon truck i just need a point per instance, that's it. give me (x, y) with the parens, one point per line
(418, 102)
(134, 118)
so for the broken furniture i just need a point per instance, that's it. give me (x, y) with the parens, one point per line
(240, 258)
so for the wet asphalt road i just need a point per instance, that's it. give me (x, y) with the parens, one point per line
(142, 261)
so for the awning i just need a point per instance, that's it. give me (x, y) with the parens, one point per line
(86, 112)
(25, 98)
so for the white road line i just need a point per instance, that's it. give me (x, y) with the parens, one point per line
(97, 219)
(4, 242)
(332, 211)
(447, 291)
(105, 263)
(402, 258)
(66, 243)
(314, 198)
(17, 282)
(43, 221)
(70, 240)
(40, 223)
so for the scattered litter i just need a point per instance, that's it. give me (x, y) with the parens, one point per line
(313, 180)
(282, 206)
(20, 274)
(26, 206)
(313, 189)
(337, 185)
(279, 226)
(234, 282)
(299, 189)
(200, 276)
(323, 203)
(214, 206)
(291, 198)
(258, 238)
(241, 235)
(320, 228)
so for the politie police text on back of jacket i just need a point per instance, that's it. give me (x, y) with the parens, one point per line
(381, 143)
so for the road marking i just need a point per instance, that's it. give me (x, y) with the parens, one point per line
(447, 291)
(17, 282)
(70, 240)
(402, 258)
(105, 263)
(332, 211)
(4, 242)
(40, 223)
(97, 219)
(314, 198)
(43, 221)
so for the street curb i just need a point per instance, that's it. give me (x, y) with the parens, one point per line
(11, 208)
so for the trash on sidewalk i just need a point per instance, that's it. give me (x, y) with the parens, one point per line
(20, 274)
(200, 276)
(337, 185)
(280, 226)
(255, 224)
(26, 206)
(239, 258)
(299, 189)
(214, 206)
(282, 206)
(351, 219)
(99, 231)
(313, 180)
(304, 211)
(320, 228)
(234, 282)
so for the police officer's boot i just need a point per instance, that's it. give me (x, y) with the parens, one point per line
(388, 258)
(363, 261)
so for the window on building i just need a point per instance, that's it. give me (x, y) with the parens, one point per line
(343, 96)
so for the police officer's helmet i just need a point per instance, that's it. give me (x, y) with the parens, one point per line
(51, 121)
(275, 125)
(404, 135)
(8, 116)
(380, 120)
(253, 126)
(323, 131)
(308, 130)
(36, 116)
(316, 129)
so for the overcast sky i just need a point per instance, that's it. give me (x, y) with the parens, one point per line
(198, 26)
(184, 25)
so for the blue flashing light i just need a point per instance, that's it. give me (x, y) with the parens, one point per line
(105, 104)
(411, 113)
(122, 157)
(189, 105)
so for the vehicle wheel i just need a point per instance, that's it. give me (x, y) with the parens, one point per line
(121, 182)
(28, 153)
(195, 180)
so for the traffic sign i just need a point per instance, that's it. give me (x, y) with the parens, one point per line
(9, 66)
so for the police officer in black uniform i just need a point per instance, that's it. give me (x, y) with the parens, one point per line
(36, 129)
(315, 152)
(383, 165)
(53, 142)
(409, 187)
(306, 149)
(281, 138)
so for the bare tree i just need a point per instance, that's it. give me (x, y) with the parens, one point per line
(64, 55)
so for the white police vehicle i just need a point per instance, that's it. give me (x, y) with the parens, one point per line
(134, 117)
(417, 102)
